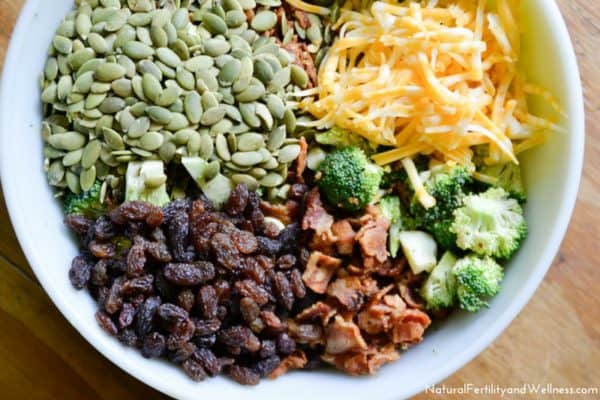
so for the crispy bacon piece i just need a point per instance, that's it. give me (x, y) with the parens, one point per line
(364, 362)
(303, 59)
(319, 271)
(344, 236)
(377, 316)
(409, 326)
(316, 217)
(372, 238)
(410, 297)
(295, 360)
(321, 311)
(324, 243)
(351, 290)
(286, 213)
(343, 336)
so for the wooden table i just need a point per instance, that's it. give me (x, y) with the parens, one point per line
(555, 340)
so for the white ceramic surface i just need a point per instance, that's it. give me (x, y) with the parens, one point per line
(552, 175)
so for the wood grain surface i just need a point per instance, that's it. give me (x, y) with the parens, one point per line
(555, 340)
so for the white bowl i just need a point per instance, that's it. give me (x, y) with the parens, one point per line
(552, 175)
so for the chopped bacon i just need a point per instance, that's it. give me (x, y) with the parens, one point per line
(364, 362)
(295, 360)
(301, 162)
(286, 213)
(343, 336)
(344, 235)
(303, 59)
(410, 326)
(316, 217)
(323, 243)
(319, 271)
(319, 310)
(373, 238)
(351, 290)
(376, 317)
(410, 297)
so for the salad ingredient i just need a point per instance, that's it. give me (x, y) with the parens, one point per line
(391, 208)
(146, 181)
(506, 176)
(490, 224)
(368, 311)
(89, 204)
(425, 78)
(347, 179)
(420, 249)
(439, 290)
(205, 289)
(476, 280)
(341, 138)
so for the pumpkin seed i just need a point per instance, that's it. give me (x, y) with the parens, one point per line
(245, 179)
(246, 158)
(276, 138)
(230, 72)
(216, 46)
(212, 116)
(197, 63)
(214, 24)
(56, 173)
(264, 114)
(222, 147)
(62, 44)
(159, 115)
(108, 72)
(112, 105)
(49, 94)
(271, 180)
(211, 170)
(167, 152)
(193, 107)
(91, 153)
(299, 76)
(315, 156)
(151, 141)
(222, 126)
(251, 93)
(68, 141)
(137, 50)
(122, 87)
(235, 18)
(289, 119)
(113, 139)
(288, 153)
(73, 182)
(280, 80)
(72, 158)
(263, 21)
(250, 141)
(87, 178)
(139, 127)
(180, 18)
(185, 79)
(206, 146)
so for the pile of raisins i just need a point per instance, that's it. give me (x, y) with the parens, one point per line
(209, 290)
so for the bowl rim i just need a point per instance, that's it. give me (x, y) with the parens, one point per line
(577, 125)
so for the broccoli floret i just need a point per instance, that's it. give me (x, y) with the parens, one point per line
(447, 186)
(439, 290)
(340, 138)
(347, 179)
(476, 280)
(399, 175)
(392, 209)
(506, 176)
(146, 181)
(88, 204)
(490, 224)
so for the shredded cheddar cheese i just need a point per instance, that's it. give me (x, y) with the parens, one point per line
(429, 77)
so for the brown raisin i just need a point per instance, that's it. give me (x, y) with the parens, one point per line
(243, 375)
(136, 260)
(189, 274)
(207, 359)
(145, 316)
(78, 224)
(194, 370)
(238, 200)
(186, 299)
(265, 366)
(285, 344)
(80, 272)
(249, 309)
(114, 300)
(106, 323)
(244, 241)
(225, 251)
(251, 289)
(297, 284)
(153, 345)
(182, 353)
(208, 301)
(126, 315)
(283, 291)
(141, 285)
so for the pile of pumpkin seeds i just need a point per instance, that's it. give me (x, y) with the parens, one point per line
(136, 80)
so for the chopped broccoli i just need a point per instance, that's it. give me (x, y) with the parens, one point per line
(439, 290)
(340, 138)
(506, 176)
(447, 185)
(476, 280)
(146, 181)
(390, 208)
(490, 224)
(347, 179)
(88, 204)
(399, 175)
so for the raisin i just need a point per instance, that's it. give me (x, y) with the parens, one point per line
(208, 301)
(265, 366)
(106, 323)
(104, 228)
(268, 348)
(80, 272)
(271, 230)
(223, 290)
(244, 241)
(206, 341)
(239, 336)
(171, 316)
(253, 270)
(136, 260)
(102, 250)
(141, 285)
(159, 251)
(99, 275)
(207, 327)
(137, 211)
(285, 344)
(145, 316)
(269, 247)
(194, 370)
(207, 359)
(177, 231)
(186, 299)
(153, 345)
(165, 289)
(78, 224)
(238, 200)
(249, 309)
(298, 191)
(243, 375)
(128, 338)
(114, 300)
(271, 321)
(189, 274)
(283, 291)
(251, 289)
(225, 251)
(126, 315)
(288, 238)
(175, 207)
(286, 261)
(182, 353)
(297, 284)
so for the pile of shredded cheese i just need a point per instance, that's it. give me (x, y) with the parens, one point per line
(429, 77)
